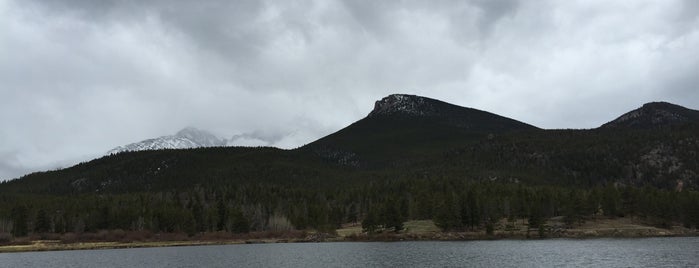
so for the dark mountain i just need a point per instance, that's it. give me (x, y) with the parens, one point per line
(410, 158)
(411, 107)
(655, 115)
(409, 136)
(404, 126)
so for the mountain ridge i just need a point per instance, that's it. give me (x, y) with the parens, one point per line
(187, 138)
(406, 105)
(413, 159)
(399, 123)
(654, 115)
(414, 107)
(397, 140)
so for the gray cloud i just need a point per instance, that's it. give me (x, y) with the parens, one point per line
(80, 77)
(492, 11)
(9, 166)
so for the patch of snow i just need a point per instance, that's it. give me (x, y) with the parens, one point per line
(184, 139)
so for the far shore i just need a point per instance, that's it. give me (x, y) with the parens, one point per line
(420, 230)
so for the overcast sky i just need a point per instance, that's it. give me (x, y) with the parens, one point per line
(80, 77)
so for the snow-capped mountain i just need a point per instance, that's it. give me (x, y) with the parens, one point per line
(186, 138)
(200, 137)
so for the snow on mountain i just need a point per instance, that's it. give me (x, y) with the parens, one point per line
(186, 138)
(200, 137)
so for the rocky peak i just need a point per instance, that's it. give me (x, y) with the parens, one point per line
(404, 104)
(200, 137)
(655, 114)
(186, 138)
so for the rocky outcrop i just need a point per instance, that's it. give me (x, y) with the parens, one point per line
(655, 115)
(404, 104)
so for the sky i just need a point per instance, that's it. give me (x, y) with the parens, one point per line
(80, 77)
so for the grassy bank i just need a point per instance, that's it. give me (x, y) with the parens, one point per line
(47, 245)
(414, 230)
(519, 229)
(119, 239)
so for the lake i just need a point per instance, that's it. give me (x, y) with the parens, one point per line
(645, 252)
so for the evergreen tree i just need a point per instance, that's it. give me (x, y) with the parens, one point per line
(222, 212)
(471, 213)
(573, 209)
(198, 215)
(392, 218)
(370, 224)
(448, 216)
(535, 218)
(42, 223)
(19, 221)
(611, 201)
(240, 224)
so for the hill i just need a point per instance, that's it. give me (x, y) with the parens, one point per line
(405, 135)
(655, 115)
(411, 157)
(407, 126)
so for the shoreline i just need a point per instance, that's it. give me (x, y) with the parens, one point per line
(424, 230)
(43, 245)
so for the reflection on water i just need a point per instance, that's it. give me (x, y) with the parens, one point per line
(648, 252)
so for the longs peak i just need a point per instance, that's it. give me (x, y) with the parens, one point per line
(184, 139)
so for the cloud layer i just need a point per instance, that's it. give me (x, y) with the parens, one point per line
(79, 77)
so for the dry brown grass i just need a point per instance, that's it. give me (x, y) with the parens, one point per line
(422, 227)
(414, 230)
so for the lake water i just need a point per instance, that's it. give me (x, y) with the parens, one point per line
(647, 252)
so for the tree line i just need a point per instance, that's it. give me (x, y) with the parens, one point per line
(379, 205)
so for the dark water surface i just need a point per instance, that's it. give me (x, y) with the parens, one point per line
(647, 252)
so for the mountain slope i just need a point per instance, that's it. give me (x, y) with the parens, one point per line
(404, 137)
(655, 115)
(402, 106)
(410, 158)
(184, 139)
(402, 126)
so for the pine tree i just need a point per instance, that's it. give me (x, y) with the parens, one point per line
(42, 223)
(371, 222)
(240, 223)
(448, 216)
(392, 217)
(19, 221)
(198, 214)
(222, 212)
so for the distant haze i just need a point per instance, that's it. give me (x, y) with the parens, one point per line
(80, 77)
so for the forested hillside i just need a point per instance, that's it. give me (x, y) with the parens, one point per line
(410, 158)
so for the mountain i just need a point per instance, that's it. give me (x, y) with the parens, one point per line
(410, 107)
(184, 139)
(404, 136)
(200, 137)
(655, 115)
(411, 157)
(401, 126)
